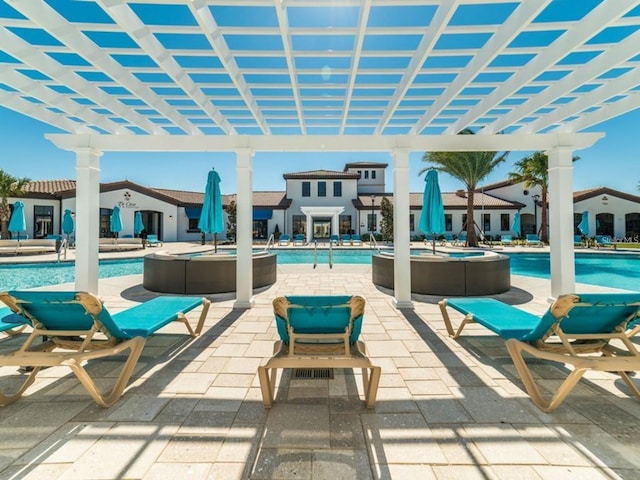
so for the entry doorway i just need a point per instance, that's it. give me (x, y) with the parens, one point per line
(321, 228)
(152, 222)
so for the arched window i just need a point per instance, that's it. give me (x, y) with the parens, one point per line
(604, 224)
(632, 226)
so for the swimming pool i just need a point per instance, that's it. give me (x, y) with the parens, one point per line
(608, 270)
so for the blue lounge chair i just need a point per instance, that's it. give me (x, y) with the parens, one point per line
(462, 239)
(284, 240)
(447, 239)
(319, 332)
(577, 241)
(345, 239)
(334, 239)
(152, 241)
(575, 330)
(604, 241)
(70, 322)
(532, 240)
(356, 240)
(506, 240)
(299, 239)
(11, 323)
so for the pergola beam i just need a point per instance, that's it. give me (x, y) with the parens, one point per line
(324, 143)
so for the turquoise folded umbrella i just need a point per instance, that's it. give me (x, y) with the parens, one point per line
(583, 226)
(138, 226)
(116, 221)
(516, 223)
(432, 216)
(17, 222)
(212, 216)
(67, 222)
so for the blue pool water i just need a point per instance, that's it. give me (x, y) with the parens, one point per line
(609, 270)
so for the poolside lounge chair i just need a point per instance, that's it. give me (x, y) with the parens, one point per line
(577, 241)
(299, 239)
(576, 330)
(319, 332)
(447, 238)
(356, 240)
(334, 239)
(461, 241)
(11, 323)
(604, 241)
(152, 241)
(78, 328)
(532, 240)
(345, 239)
(284, 240)
(506, 240)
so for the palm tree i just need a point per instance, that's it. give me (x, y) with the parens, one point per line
(10, 186)
(533, 171)
(470, 168)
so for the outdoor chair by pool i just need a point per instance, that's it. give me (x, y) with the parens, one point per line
(532, 240)
(356, 240)
(152, 241)
(77, 328)
(334, 239)
(577, 241)
(345, 239)
(461, 241)
(284, 240)
(299, 239)
(447, 239)
(604, 241)
(319, 332)
(586, 331)
(11, 323)
(506, 240)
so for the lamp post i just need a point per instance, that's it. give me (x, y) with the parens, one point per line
(535, 212)
(372, 227)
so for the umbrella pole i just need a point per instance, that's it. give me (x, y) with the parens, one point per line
(433, 240)
(215, 243)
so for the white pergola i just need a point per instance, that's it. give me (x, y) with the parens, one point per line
(252, 76)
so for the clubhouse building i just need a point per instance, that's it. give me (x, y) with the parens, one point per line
(320, 203)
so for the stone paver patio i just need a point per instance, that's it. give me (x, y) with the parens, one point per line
(446, 409)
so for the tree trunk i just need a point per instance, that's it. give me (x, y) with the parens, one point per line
(544, 236)
(472, 240)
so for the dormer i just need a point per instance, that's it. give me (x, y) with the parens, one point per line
(371, 176)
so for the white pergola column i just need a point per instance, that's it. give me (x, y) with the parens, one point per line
(309, 227)
(244, 230)
(401, 234)
(563, 274)
(87, 218)
(335, 224)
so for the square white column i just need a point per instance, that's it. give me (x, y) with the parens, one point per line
(562, 258)
(401, 233)
(87, 219)
(244, 230)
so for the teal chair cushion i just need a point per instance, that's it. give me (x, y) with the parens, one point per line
(319, 314)
(9, 320)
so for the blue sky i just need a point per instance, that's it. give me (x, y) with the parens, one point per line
(612, 162)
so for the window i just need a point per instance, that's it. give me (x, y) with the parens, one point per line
(372, 221)
(505, 222)
(337, 189)
(306, 189)
(604, 224)
(299, 224)
(448, 222)
(193, 225)
(366, 174)
(42, 221)
(322, 189)
(486, 222)
(373, 174)
(344, 224)
(260, 229)
(105, 223)
(412, 222)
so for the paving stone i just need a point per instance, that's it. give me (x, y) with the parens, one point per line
(341, 465)
(282, 464)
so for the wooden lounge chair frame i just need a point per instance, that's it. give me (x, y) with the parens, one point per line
(563, 336)
(92, 339)
(319, 350)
